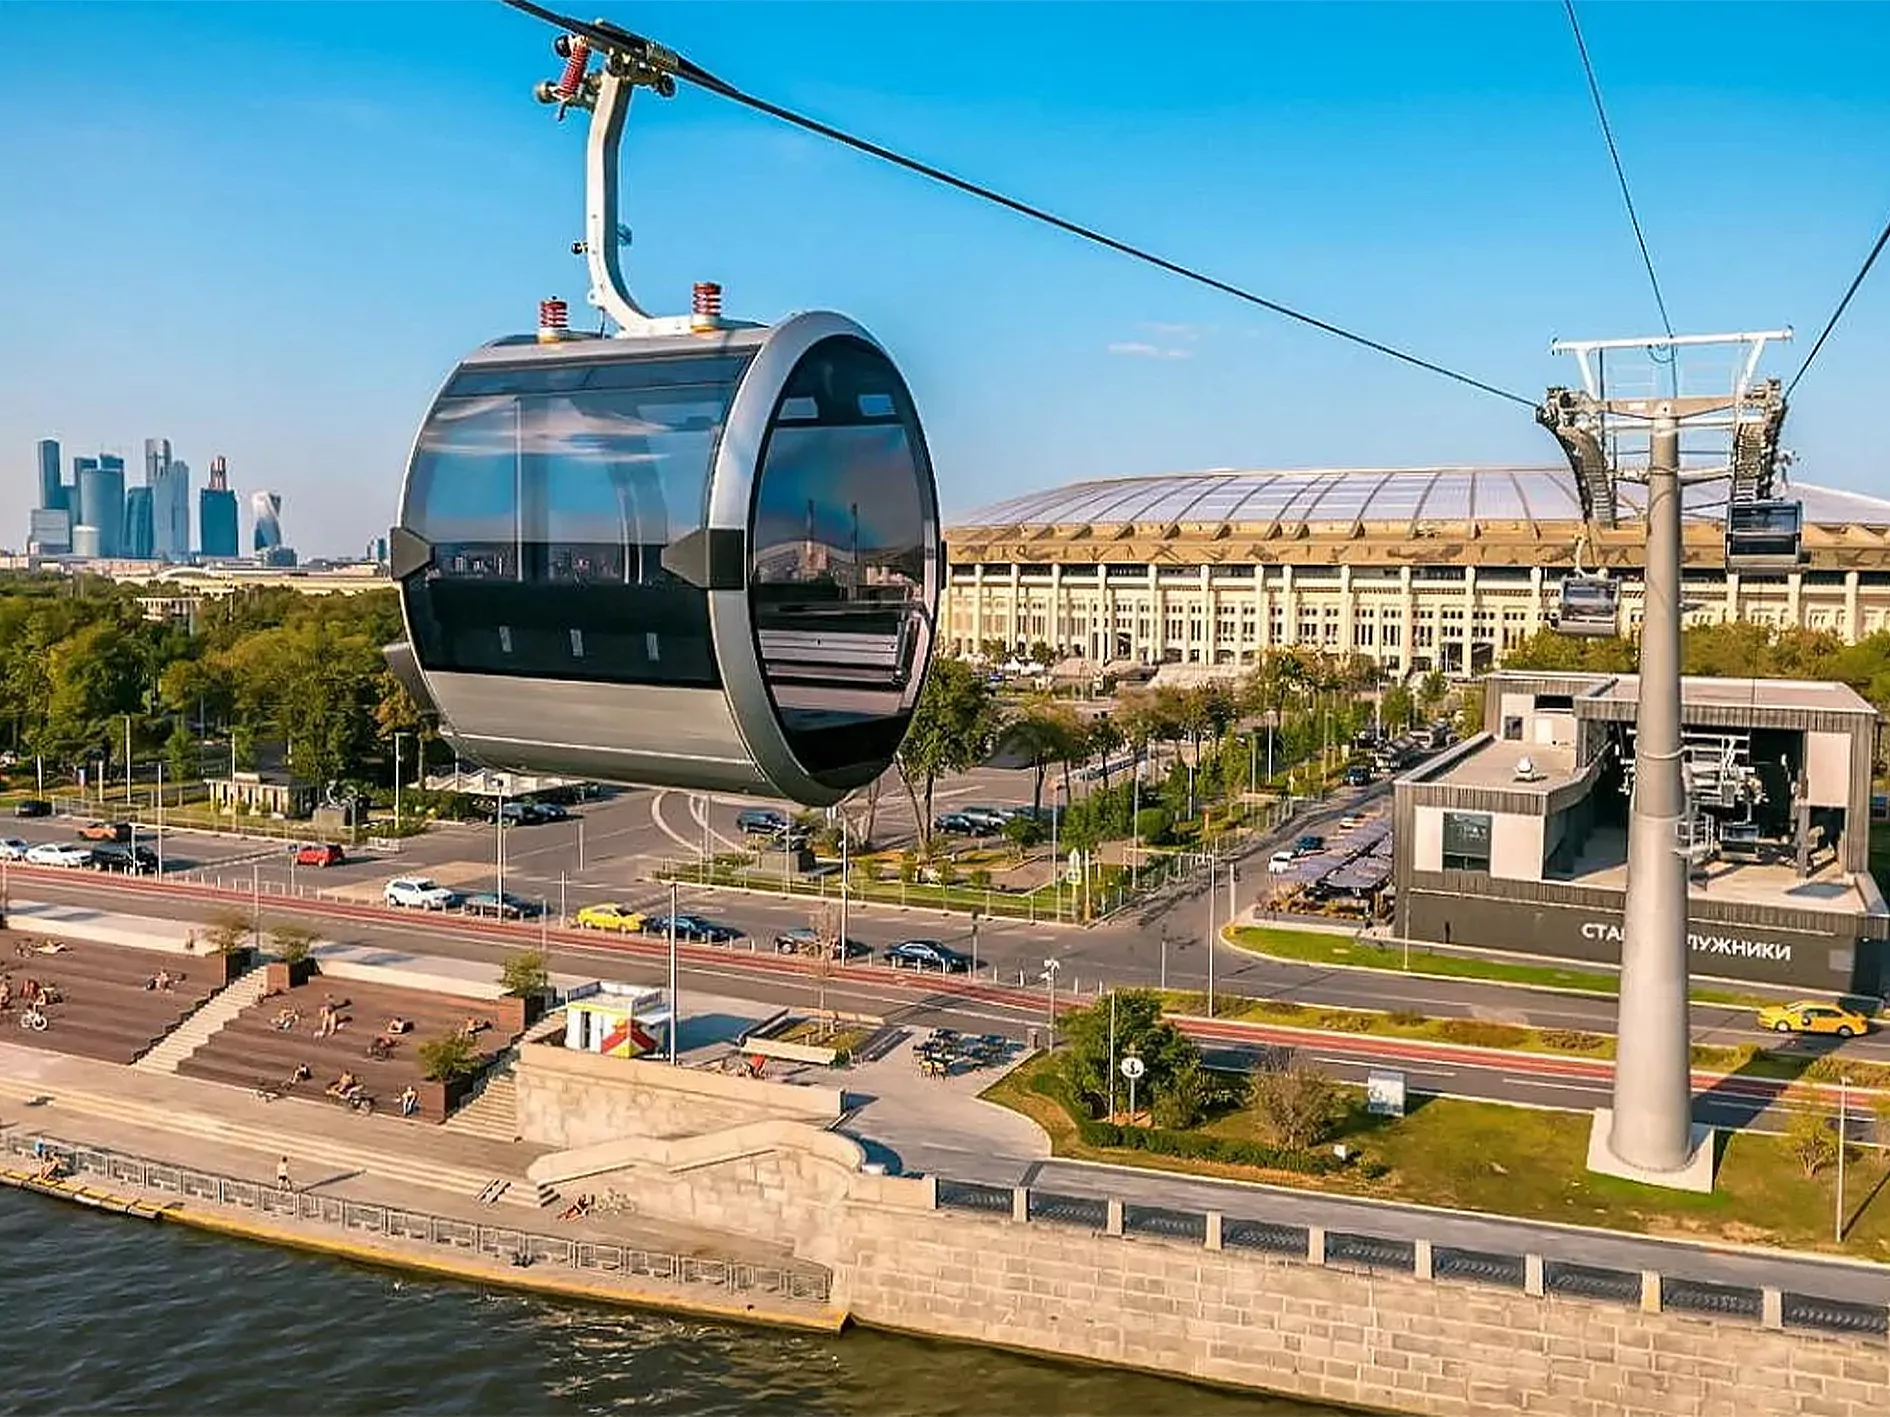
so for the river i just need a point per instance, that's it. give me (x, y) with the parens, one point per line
(105, 1314)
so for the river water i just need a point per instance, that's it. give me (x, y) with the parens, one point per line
(105, 1314)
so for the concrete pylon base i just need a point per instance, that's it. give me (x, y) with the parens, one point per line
(1696, 1175)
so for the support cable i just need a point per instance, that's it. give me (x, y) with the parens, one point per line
(611, 38)
(1883, 238)
(1620, 172)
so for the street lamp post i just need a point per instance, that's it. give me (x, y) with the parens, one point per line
(498, 849)
(1209, 893)
(397, 738)
(1050, 968)
(1844, 1084)
(580, 825)
(1112, 1055)
(127, 762)
(160, 816)
(675, 1011)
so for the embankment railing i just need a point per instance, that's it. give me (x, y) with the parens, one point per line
(517, 1245)
(1532, 1274)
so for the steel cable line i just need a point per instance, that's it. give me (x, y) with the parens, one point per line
(610, 37)
(1627, 197)
(1883, 238)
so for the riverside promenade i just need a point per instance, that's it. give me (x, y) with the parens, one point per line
(378, 1188)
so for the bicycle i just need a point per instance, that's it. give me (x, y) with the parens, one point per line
(33, 1019)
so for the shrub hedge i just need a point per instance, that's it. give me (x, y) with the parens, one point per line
(1192, 1145)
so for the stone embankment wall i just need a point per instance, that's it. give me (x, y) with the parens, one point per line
(569, 1098)
(1396, 1342)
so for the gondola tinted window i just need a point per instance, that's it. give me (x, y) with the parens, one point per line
(840, 556)
(548, 496)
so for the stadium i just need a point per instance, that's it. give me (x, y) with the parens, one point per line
(1419, 569)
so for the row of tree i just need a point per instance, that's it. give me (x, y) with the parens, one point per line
(79, 662)
(1300, 702)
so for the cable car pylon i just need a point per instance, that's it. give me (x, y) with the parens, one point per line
(1648, 1134)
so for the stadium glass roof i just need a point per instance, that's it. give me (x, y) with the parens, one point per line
(1351, 496)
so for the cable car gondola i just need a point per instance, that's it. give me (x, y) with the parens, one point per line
(699, 553)
(1764, 535)
(1590, 605)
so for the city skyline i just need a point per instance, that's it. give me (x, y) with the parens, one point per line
(99, 514)
(1437, 183)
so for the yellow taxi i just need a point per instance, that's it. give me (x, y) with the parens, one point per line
(1810, 1016)
(610, 917)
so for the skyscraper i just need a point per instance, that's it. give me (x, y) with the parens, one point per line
(99, 484)
(169, 481)
(216, 513)
(266, 509)
(52, 487)
(136, 542)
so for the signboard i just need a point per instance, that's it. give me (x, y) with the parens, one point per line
(1384, 1093)
(1074, 872)
(1133, 1067)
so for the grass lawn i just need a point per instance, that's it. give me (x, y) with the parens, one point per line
(1315, 947)
(845, 1038)
(1521, 1161)
(1745, 1058)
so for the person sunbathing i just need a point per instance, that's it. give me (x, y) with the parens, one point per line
(343, 1085)
(398, 1025)
(286, 1020)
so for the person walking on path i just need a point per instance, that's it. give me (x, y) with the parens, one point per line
(282, 1174)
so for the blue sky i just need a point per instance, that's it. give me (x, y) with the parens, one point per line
(269, 230)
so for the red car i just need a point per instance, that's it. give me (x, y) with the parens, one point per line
(319, 854)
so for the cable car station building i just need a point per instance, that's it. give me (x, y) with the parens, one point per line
(1414, 568)
(1517, 839)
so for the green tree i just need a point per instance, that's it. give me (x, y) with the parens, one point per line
(953, 728)
(292, 941)
(1140, 1029)
(1044, 732)
(448, 1057)
(1296, 1105)
(1397, 708)
(1431, 691)
(182, 759)
(524, 974)
(1810, 1137)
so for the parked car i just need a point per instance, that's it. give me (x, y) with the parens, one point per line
(1308, 844)
(607, 916)
(804, 940)
(1348, 823)
(32, 807)
(1810, 1016)
(130, 860)
(319, 853)
(60, 853)
(419, 893)
(1358, 777)
(501, 906)
(551, 812)
(761, 821)
(963, 824)
(927, 954)
(692, 927)
(993, 817)
(105, 831)
(13, 849)
(1281, 862)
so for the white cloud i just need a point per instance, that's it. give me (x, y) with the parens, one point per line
(1140, 349)
(1169, 330)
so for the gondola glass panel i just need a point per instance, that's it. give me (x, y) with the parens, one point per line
(838, 586)
(548, 514)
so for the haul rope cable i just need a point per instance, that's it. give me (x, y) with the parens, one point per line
(610, 38)
(1883, 237)
(1614, 154)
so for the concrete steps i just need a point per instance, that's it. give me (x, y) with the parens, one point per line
(492, 1114)
(309, 1153)
(207, 1021)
